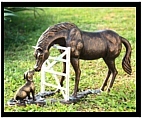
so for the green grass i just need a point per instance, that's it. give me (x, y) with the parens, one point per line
(23, 32)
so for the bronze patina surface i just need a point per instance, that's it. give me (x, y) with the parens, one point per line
(105, 44)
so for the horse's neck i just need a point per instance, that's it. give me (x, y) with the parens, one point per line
(61, 34)
(59, 38)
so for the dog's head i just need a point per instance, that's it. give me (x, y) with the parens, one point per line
(28, 75)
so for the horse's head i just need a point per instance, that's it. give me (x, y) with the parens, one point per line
(53, 35)
(41, 55)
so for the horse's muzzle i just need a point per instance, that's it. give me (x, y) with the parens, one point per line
(36, 68)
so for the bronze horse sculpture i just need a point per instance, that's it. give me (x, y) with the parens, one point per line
(105, 44)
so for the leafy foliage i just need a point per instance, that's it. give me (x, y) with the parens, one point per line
(10, 11)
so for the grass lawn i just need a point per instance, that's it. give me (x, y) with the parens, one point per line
(23, 32)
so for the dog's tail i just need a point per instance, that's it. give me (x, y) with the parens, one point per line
(126, 63)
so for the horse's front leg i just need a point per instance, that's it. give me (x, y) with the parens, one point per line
(75, 64)
(64, 71)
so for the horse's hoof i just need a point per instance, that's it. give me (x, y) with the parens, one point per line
(72, 98)
(108, 90)
(97, 91)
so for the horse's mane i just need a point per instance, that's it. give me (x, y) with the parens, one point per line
(56, 28)
(59, 27)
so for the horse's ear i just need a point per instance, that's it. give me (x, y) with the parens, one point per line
(37, 48)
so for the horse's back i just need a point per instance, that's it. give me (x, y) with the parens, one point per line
(94, 46)
(98, 44)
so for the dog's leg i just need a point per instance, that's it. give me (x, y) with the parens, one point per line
(29, 97)
(33, 94)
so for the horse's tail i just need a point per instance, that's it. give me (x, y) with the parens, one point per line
(126, 63)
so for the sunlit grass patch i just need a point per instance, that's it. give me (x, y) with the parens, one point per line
(23, 33)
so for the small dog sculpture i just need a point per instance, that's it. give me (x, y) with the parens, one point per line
(27, 88)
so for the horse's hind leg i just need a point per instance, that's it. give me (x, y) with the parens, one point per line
(105, 81)
(111, 66)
